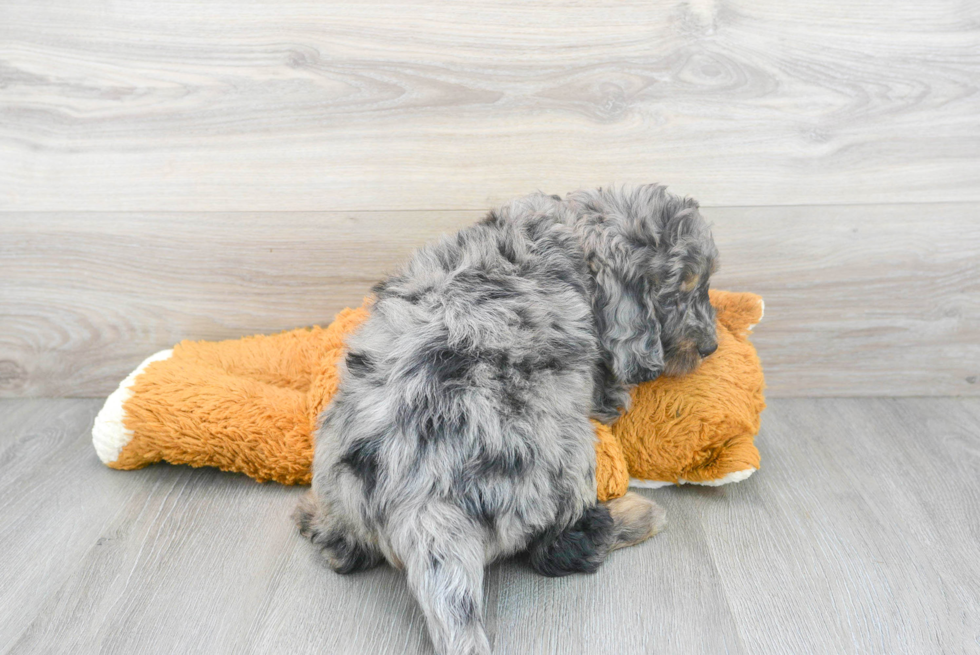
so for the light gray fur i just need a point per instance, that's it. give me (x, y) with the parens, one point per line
(460, 432)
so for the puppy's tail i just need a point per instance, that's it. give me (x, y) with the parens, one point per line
(443, 554)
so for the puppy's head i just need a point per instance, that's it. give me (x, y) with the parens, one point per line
(686, 259)
(652, 255)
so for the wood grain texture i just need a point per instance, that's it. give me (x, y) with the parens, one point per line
(857, 536)
(865, 300)
(328, 105)
(56, 506)
(866, 513)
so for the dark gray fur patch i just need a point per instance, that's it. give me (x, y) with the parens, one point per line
(347, 555)
(580, 548)
(361, 459)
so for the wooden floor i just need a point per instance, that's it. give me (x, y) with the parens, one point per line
(859, 535)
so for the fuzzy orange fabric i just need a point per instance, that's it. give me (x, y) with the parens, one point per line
(700, 427)
(248, 405)
(611, 470)
(251, 405)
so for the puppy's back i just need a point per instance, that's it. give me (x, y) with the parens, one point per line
(464, 380)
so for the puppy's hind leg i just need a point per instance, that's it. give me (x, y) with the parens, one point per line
(602, 528)
(344, 551)
(635, 519)
(444, 557)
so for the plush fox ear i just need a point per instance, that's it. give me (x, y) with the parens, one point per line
(738, 312)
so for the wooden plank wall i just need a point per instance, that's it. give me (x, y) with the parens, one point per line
(180, 169)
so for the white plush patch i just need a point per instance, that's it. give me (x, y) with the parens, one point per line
(109, 435)
(762, 312)
(649, 484)
(734, 476)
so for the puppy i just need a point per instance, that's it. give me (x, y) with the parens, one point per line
(460, 432)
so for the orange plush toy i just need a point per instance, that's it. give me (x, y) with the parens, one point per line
(251, 405)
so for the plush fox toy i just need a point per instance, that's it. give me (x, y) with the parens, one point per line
(251, 405)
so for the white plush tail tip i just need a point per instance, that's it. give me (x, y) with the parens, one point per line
(762, 312)
(734, 476)
(109, 434)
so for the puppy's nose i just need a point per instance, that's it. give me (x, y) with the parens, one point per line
(706, 350)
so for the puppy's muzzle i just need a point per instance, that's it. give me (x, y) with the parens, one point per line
(705, 349)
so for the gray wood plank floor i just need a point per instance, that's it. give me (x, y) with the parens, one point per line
(859, 535)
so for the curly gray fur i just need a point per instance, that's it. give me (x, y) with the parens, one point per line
(460, 432)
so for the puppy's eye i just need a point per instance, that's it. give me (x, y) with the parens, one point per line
(690, 282)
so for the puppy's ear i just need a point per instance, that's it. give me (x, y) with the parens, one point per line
(629, 331)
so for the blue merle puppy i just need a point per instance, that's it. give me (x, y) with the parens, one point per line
(460, 433)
